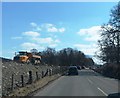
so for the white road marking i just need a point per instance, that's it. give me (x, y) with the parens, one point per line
(102, 91)
(90, 81)
(115, 85)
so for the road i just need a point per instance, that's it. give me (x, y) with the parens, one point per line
(87, 83)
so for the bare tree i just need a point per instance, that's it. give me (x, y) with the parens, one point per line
(65, 57)
(110, 38)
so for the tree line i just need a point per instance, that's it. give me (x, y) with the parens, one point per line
(65, 57)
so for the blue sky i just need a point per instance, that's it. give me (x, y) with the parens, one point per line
(57, 25)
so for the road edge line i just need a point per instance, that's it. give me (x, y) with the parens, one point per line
(102, 91)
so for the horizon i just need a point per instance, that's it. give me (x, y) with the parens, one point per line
(38, 25)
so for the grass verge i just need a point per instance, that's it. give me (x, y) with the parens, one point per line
(28, 90)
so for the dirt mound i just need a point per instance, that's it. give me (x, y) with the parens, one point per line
(5, 60)
(12, 71)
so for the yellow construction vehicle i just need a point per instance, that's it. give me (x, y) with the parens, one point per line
(27, 57)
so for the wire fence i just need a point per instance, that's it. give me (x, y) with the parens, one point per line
(16, 75)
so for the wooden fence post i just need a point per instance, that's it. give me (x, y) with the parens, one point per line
(49, 72)
(46, 73)
(12, 82)
(37, 76)
(22, 80)
(52, 71)
(42, 74)
(30, 77)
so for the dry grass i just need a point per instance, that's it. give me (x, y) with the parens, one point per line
(25, 91)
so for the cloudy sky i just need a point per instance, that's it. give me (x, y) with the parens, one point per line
(56, 25)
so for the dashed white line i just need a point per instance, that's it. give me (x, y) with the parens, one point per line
(102, 91)
(105, 80)
(90, 81)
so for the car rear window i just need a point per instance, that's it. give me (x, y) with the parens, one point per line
(73, 69)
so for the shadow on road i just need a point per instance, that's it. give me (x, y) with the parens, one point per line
(88, 73)
(84, 73)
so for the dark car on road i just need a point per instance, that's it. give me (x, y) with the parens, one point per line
(83, 67)
(79, 67)
(72, 70)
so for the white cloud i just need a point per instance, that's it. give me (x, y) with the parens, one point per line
(47, 40)
(62, 30)
(97, 61)
(52, 45)
(40, 45)
(38, 29)
(33, 24)
(57, 41)
(35, 40)
(48, 25)
(40, 40)
(17, 37)
(90, 34)
(29, 46)
(52, 35)
(52, 29)
(31, 34)
(87, 49)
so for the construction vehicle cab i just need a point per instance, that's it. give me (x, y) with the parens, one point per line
(27, 57)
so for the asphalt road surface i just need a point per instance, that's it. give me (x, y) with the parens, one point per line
(87, 83)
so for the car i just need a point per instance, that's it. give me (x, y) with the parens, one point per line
(73, 70)
(79, 67)
(83, 67)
